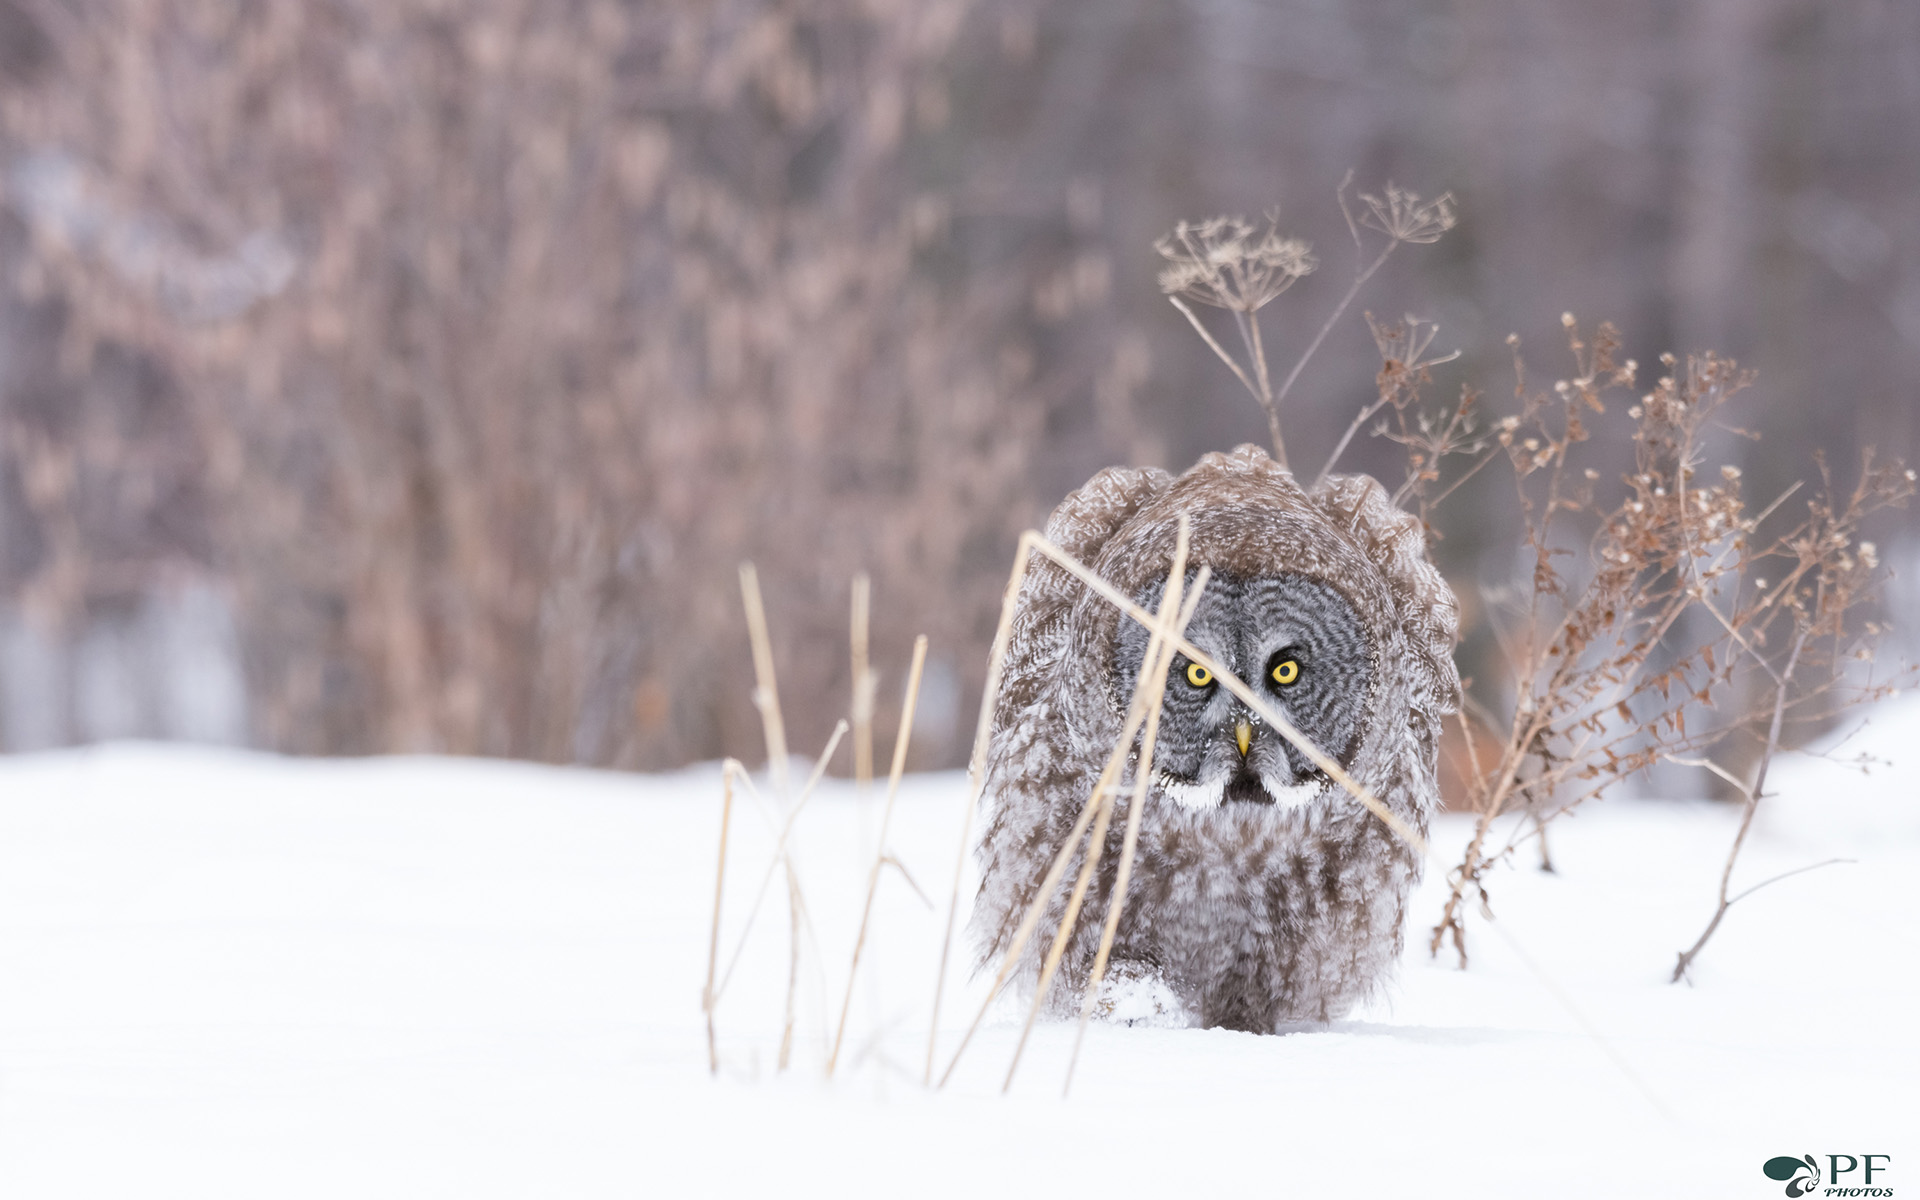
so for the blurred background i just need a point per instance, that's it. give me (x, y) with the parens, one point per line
(412, 375)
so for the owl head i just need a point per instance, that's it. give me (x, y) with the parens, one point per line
(1295, 638)
(1324, 601)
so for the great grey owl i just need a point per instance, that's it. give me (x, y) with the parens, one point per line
(1262, 893)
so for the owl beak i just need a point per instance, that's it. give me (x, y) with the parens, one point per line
(1243, 734)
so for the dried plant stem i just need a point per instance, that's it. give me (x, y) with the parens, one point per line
(1099, 797)
(793, 969)
(1069, 919)
(976, 772)
(864, 682)
(1326, 327)
(1219, 350)
(1773, 879)
(1360, 418)
(1752, 797)
(766, 693)
(1249, 323)
(795, 901)
(1149, 686)
(782, 858)
(1154, 665)
(719, 888)
(766, 698)
(881, 857)
(1037, 909)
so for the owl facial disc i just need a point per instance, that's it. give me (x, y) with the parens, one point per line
(1297, 640)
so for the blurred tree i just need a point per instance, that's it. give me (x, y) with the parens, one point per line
(483, 340)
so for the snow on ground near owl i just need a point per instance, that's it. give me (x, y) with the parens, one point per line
(233, 975)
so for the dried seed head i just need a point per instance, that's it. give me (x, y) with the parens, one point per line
(1221, 262)
(1566, 319)
(1729, 472)
(1404, 218)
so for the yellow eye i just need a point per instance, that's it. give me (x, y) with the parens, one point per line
(1286, 672)
(1198, 675)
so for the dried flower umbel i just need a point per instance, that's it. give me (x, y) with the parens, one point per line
(1224, 263)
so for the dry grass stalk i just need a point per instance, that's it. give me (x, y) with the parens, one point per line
(1148, 688)
(1157, 659)
(1055, 873)
(719, 890)
(976, 775)
(865, 682)
(881, 856)
(766, 692)
(766, 698)
(796, 901)
(782, 861)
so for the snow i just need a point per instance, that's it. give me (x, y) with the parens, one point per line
(230, 974)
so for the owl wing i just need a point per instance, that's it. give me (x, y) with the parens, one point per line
(1080, 525)
(1427, 612)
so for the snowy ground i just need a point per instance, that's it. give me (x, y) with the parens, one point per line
(228, 975)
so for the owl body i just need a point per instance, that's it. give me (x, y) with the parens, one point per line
(1262, 894)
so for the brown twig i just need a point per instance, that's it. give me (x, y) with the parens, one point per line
(1753, 793)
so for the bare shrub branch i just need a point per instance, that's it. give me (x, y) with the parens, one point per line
(1608, 673)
